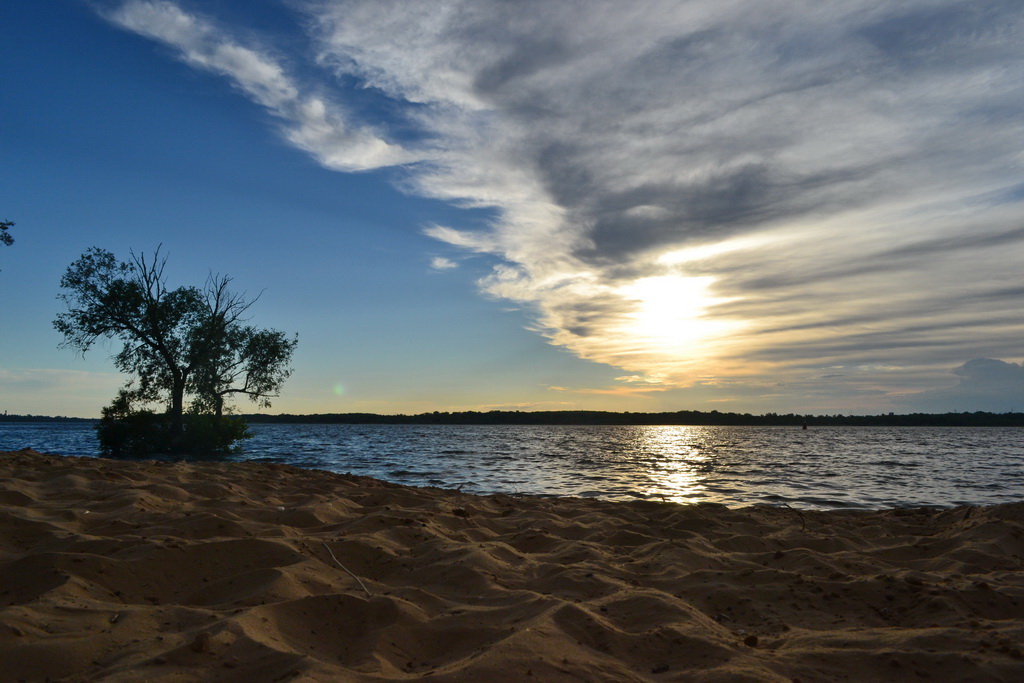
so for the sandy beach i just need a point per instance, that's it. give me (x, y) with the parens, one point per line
(113, 570)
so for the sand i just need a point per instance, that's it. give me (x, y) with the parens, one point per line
(113, 570)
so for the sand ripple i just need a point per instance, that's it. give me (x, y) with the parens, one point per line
(155, 571)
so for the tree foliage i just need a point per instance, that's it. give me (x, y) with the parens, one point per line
(5, 236)
(180, 344)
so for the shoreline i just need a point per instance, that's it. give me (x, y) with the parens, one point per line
(246, 571)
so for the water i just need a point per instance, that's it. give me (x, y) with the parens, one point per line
(824, 467)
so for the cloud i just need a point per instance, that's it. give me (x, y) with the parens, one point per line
(311, 123)
(984, 384)
(441, 263)
(623, 390)
(857, 141)
(861, 159)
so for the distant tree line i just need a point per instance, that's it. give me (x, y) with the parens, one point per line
(588, 417)
(44, 418)
(679, 418)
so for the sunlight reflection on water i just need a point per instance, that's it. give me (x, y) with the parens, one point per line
(824, 468)
(677, 466)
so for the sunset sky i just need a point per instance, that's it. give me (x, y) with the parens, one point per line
(741, 205)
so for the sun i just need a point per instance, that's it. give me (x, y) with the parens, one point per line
(671, 316)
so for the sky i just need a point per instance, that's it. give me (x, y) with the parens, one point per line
(736, 205)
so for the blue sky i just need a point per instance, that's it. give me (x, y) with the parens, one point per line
(750, 206)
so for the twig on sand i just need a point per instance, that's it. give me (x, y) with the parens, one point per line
(803, 522)
(361, 585)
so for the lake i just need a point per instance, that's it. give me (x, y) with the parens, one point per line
(823, 467)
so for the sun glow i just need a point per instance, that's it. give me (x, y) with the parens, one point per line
(670, 317)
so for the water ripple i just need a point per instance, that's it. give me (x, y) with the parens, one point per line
(833, 467)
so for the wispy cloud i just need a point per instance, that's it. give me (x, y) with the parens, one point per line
(441, 263)
(311, 122)
(859, 159)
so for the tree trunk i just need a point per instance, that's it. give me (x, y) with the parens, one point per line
(177, 415)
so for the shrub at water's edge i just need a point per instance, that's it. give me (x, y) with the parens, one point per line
(128, 433)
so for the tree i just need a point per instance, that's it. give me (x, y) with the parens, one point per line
(5, 237)
(250, 362)
(177, 343)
